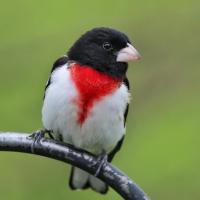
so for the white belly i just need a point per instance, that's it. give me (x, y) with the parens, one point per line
(103, 127)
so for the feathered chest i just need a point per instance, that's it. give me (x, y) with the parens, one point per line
(92, 86)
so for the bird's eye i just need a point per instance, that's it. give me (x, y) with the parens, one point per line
(107, 46)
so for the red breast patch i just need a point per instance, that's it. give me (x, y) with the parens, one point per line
(92, 86)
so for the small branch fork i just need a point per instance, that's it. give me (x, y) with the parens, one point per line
(47, 147)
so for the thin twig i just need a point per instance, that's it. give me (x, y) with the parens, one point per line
(69, 154)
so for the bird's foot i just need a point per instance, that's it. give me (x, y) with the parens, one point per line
(101, 161)
(37, 136)
(50, 134)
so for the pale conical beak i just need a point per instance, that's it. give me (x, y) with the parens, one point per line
(127, 54)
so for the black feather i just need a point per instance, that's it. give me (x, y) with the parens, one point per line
(115, 150)
(58, 63)
(119, 144)
(126, 82)
(88, 50)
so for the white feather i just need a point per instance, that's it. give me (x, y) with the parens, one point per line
(80, 178)
(104, 126)
(101, 130)
(97, 184)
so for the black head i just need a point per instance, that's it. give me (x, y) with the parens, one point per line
(99, 48)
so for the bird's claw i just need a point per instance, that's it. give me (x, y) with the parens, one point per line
(101, 161)
(37, 136)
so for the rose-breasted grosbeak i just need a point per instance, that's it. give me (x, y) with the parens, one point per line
(87, 96)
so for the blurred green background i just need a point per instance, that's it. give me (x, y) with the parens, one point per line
(161, 150)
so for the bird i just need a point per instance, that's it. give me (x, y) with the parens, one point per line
(87, 97)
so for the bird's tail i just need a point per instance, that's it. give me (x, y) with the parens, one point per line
(80, 179)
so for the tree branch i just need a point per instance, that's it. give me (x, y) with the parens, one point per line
(69, 154)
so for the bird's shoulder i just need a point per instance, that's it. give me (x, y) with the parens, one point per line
(58, 63)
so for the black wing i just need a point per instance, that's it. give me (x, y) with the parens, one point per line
(58, 63)
(126, 82)
(119, 144)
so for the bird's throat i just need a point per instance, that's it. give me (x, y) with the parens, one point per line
(92, 87)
